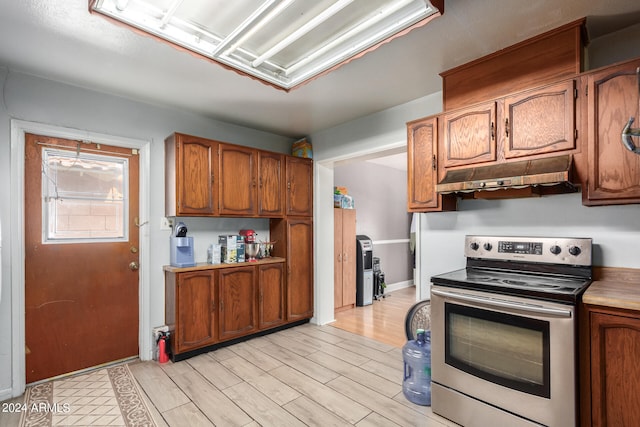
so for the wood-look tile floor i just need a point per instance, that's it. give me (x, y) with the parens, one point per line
(304, 376)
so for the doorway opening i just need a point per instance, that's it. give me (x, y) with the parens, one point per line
(327, 172)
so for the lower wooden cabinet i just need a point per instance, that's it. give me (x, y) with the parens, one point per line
(237, 287)
(209, 304)
(191, 309)
(610, 374)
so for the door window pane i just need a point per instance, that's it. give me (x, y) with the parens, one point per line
(85, 197)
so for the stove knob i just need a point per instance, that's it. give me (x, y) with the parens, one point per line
(487, 246)
(574, 250)
(474, 246)
(555, 249)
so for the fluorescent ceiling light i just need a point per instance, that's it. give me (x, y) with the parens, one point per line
(281, 42)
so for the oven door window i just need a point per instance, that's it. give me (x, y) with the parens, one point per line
(509, 350)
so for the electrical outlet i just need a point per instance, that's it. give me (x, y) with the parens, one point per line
(166, 223)
(157, 330)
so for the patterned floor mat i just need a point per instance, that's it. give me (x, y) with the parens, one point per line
(107, 397)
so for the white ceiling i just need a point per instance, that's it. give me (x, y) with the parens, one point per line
(61, 40)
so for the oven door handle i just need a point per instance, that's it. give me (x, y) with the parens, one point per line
(531, 308)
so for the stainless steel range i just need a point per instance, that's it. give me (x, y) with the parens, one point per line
(504, 332)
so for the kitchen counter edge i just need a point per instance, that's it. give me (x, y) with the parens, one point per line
(616, 288)
(206, 266)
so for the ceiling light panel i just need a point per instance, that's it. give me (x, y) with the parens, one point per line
(282, 42)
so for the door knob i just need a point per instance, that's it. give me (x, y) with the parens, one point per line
(133, 266)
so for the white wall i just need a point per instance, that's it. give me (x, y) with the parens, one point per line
(34, 99)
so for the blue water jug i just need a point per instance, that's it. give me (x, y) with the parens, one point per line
(417, 369)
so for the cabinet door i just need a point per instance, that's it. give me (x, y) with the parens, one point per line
(299, 269)
(190, 172)
(348, 257)
(271, 184)
(271, 295)
(299, 186)
(470, 135)
(422, 171)
(237, 183)
(237, 287)
(344, 293)
(540, 121)
(337, 258)
(613, 171)
(195, 310)
(615, 371)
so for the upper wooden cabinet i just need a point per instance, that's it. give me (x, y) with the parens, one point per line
(470, 135)
(237, 184)
(299, 186)
(540, 121)
(536, 122)
(271, 184)
(190, 171)
(543, 59)
(613, 171)
(210, 178)
(422, 158)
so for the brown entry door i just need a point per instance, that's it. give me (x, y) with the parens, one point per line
(81, 247)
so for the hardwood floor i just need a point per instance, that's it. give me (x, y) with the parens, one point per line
(383, 320)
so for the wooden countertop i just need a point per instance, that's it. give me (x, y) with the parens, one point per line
(207, 266)
(615, 287)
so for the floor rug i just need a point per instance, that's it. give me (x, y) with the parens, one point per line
(106, 397)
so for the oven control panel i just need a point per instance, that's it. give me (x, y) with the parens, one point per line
(571, 251)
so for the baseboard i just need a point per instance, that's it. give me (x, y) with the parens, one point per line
(398, 285)
(6, 394)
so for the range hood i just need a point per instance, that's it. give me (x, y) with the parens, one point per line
(553, 171)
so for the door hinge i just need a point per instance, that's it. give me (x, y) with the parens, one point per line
(575, 93)
(434, 162)
(575, 134)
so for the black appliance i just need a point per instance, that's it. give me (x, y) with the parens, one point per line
(378, 280)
